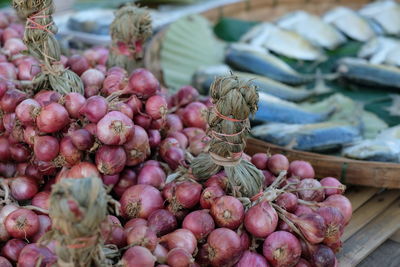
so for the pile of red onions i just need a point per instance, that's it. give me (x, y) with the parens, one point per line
(127, 131)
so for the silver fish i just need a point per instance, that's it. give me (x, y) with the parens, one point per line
(249, 59)
(283, 42)
(309, 137)
(386, 13)
(322, 34)
(203, 78)
(362, 72)
(350, 23)
(273, 109)
(385, 150)
(381, 50)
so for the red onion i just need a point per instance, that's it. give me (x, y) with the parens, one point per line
(45, 167)
(182, 139)
(9, 122)
(78, 64)
(110, 179)
(220, 179)
(7, 169)
(315, 193)
(187, 94)
(303, 263)
(83, 169)
(4, 86)
(161, 254)
(143, 83)
(340, 202)
(30, 133)
(11, 99)
(197, 146)
(174, 157)
(4, 235)
(179, 257)
(52, 118)
(332, 182)
(115, 81)
(166, 144)
(157, 124)
(21, 168)
(284, 227)
(260, 160)
(8, 71)
(27, 111)
(223, 247)
(22, 223)
(9, 33)
(32, 254)
(302, 209)
(193, 133)
(127, 179)
(93, 81)
(45, 97)
(28, 68)
(252, 259)
(209, 194)
(137, 148)
(46, 147)
(94, 108)
(140, 201)
(13, 46)
(323, 256)
(110, 159)
(282, 249)
(311, 225)
(91, 128)
(244, 239)
(154, 138)
(301, 169)
(44, 226)
(70, 154)
(194, 115)
(156, 106)
(4, 20)
(152, 175)
(181, 238)
(261, 219)
(138, 256)
(269, 178)
(82, 139)
(23, 188)
(173, 123)
(227, 212)
(142, 120)
(169, 190)
(115, 128)
(277, 163)
(5, 153)
(135, 104)
(287, 201)
(187, 195)
(133, 223)
(142, 235)
(5, 211)
(200, 223)
(334, 222)
(41, 200)
(12, 249)
(112, 232)
(4, 262)
(123, 108)
(162, 222)
(73, 102)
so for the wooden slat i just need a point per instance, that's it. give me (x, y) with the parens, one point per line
(396, 236)
(373, 208)
(366, 240)
(387, 255)
(368, 173)
(358, 195)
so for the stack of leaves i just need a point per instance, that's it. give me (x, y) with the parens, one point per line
(234, 100)
(42, 44)
(129, 31)
(77, 209)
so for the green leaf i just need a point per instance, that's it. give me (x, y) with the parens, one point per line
(230, 29)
